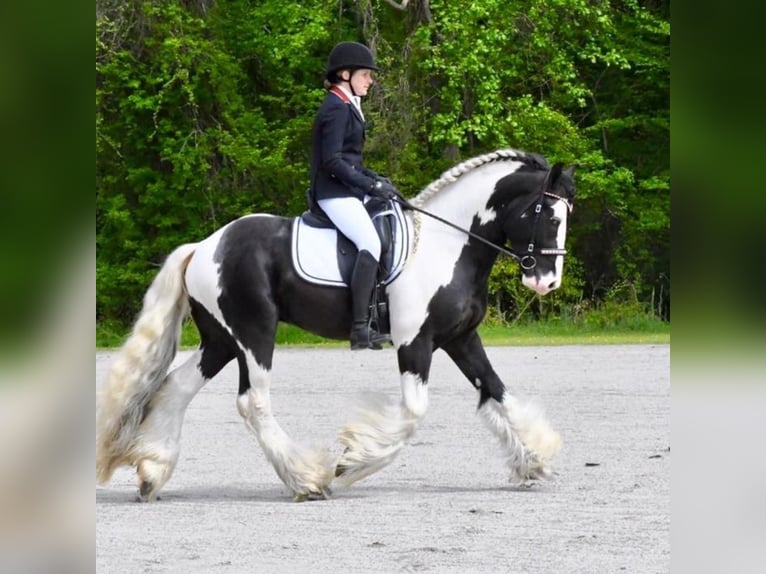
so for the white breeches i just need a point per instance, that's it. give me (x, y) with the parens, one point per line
(351, 218)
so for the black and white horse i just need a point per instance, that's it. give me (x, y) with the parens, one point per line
(241, 281)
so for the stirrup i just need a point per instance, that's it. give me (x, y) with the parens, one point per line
(371, 339)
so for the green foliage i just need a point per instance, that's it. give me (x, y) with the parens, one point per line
(187, 138)
(204, 113)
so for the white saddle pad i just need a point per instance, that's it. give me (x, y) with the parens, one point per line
(314, 250)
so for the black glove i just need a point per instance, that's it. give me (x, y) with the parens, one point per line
(383, 188)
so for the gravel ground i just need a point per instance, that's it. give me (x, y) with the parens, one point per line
(444, 505)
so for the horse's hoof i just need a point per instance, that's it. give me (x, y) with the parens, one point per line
(145, 492)
(539, 471)
(323, 494)
(145, 489)
(143, 499)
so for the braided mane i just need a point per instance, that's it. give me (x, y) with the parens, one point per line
(452, 174)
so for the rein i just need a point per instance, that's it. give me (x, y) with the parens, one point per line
(407, 205)
(527, 261)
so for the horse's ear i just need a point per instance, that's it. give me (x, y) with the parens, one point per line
(554, 175)
(570, 170)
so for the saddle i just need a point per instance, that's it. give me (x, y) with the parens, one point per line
(315, 240)
(324, 256)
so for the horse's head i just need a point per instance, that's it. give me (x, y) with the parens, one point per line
(508, 196)
(536, 225)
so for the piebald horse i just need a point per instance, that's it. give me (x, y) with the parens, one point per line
(239, 282)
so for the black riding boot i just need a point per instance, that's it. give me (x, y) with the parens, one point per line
(362, 283)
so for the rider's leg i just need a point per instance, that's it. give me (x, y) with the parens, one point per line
(351, 218)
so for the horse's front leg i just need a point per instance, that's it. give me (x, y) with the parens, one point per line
(306, 471)
(384, 426)
(524, 433)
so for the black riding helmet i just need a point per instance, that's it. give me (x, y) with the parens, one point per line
(349, 56)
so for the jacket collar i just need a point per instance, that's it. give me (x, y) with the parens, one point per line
(347, 97)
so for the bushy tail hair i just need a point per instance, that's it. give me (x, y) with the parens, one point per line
(141, 364)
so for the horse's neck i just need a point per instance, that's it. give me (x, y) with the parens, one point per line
(467, 198)
(463, 203)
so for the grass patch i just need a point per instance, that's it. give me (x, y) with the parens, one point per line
(110, 334)
(591, 329)
(292, 335)
(551, 333)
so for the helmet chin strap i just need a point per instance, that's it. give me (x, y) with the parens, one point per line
(350, 85)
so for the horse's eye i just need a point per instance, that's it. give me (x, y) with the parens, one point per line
(555, 221)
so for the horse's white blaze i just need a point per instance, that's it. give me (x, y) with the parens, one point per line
(304, 471)
(550, 281)
(414, 394)
(432, 265)
(525, 435)
(561, 211)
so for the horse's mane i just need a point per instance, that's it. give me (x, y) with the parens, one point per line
(462, 168)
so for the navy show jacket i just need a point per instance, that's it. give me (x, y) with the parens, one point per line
(337, 169)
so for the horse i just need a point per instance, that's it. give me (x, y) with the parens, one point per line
(241, 281)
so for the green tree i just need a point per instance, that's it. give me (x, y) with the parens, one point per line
(204, 113)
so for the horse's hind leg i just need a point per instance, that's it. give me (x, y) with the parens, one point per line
(306, 472)
(523, 431)
(157, 445)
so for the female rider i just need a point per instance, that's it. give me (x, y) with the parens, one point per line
(339, 180)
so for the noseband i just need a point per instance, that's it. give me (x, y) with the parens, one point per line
(526, 260)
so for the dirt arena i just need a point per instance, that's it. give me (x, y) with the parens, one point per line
(444, 505)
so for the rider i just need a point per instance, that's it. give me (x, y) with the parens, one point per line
(339, 181)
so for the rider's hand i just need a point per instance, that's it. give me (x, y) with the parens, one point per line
(383, 188)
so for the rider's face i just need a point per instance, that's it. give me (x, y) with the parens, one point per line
(360, 81)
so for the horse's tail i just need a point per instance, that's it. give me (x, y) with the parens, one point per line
(141, 364)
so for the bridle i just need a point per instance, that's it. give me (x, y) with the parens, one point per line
(527, 259)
